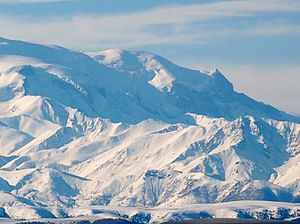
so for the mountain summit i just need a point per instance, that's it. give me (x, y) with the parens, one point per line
(129, 128)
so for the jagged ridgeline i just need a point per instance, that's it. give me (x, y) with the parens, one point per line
(123, 128)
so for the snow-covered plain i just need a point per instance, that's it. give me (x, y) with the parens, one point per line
(132, 132)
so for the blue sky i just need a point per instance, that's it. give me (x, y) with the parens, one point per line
(256, 43)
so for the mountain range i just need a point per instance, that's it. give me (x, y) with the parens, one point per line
(120, 129)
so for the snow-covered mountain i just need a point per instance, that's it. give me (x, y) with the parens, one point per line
(132, 129)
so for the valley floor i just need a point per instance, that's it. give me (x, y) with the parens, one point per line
(230, 212)
(121, 221)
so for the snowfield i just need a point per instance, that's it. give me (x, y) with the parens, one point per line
(120, 133)
(238, 209)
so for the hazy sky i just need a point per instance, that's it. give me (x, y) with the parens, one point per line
(255, 43)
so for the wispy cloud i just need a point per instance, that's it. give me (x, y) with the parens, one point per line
(29, 1)
(144, 28)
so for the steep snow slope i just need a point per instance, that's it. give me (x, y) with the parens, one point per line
(122, 128)
(190, 91)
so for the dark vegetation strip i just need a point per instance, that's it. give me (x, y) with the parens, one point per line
(234, 221)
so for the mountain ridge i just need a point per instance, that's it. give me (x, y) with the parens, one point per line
(87, 66)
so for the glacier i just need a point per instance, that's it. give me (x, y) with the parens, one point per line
(132, 131)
